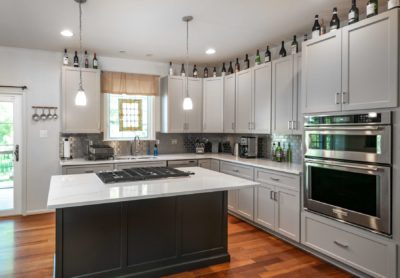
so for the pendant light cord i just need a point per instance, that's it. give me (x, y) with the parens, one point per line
(80, 45)
(187, 58)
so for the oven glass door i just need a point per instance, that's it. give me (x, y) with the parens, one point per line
(368, 144)
(356, 193)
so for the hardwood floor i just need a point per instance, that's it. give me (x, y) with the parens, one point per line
(27, 250)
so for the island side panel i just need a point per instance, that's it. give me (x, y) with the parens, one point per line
(148, 238)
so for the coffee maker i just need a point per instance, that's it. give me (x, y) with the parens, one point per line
(248, 147)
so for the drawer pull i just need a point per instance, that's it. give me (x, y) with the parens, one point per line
(235, 170)
(343, 245)
(89, 171)
(275, 179)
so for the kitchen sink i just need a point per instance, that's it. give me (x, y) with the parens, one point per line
(135, 157)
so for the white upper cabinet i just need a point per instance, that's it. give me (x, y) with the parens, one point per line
(229, 103)
(193, 117)
(172, 113)
(213, 101)
(72, 114)
(173, 118)
(282, 88)
(262, 78)
(321, 71)
(354, 68)
(286, 91)
(244, 102)
(370, 62)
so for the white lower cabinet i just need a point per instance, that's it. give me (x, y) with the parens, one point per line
(214, 165)
(72, 170)
(240, 201)
(277, 203)
(205, 163)
(369, 253)
(121, 166)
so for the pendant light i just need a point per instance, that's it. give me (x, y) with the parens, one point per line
(187, 101)
(80, 98)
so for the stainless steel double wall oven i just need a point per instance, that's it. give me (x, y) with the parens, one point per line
(348, 168)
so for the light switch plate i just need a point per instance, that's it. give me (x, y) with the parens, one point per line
(43, 133)
(174, 141)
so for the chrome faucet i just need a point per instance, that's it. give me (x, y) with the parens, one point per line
(136, 142)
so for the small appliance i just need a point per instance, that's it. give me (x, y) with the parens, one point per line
(100, 152)
(248, 147)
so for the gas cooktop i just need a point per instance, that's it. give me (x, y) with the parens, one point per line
(137, 174)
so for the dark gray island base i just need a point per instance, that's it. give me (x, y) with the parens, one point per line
(142, 238)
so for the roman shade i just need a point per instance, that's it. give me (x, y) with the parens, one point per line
(129, 83)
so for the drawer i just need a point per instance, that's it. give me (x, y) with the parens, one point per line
(272, 177)
(372, 256)
(120, 166)
(71, 170)
(237, 170)
(205, 163)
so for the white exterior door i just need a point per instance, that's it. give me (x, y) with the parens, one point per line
(10, 154)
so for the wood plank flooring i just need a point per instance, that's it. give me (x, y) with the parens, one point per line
(27, 248)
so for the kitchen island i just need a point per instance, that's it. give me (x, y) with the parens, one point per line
(140, 229)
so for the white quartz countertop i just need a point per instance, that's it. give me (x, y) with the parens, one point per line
(88, 189)
(291, 168)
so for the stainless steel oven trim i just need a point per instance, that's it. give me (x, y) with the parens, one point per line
(386, 119)
(381, 224)
(385, 143)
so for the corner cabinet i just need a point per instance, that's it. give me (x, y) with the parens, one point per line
(286, 112)
(213, 103)
(353, 68)
(72, 114)
(173, 118)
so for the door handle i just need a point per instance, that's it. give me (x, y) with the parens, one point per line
(343, 245)
(16, 153)
(271, 193)
(337, 98)
(343, 98)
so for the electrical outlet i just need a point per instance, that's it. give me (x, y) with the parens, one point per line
(174, 141)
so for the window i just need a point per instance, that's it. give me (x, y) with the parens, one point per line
(127, 116)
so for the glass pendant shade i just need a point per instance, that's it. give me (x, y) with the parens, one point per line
(187, 103)
(80, 98)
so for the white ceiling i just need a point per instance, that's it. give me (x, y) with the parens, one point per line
(141, 27)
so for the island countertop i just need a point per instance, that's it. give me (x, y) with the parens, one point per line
(88, 189)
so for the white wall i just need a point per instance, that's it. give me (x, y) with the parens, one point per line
(41, 72)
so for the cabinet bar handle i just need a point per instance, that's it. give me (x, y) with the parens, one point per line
(337, 98)
(274, 179)
(341, 244)
(235, 170)
(89, 171)
(294, 125)
(288, 124)
(233, 126)
(275, 196)
(343, 98)
(271, 195)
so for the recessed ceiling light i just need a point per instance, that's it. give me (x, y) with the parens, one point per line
(210, 51)
(66, 33)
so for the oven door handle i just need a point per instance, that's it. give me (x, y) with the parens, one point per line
(361, 167)
(355, 128)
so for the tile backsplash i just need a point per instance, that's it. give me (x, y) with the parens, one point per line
(181, 143)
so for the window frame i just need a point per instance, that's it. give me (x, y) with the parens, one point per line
(151, 106)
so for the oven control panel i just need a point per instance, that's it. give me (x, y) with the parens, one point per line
(354, 119)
